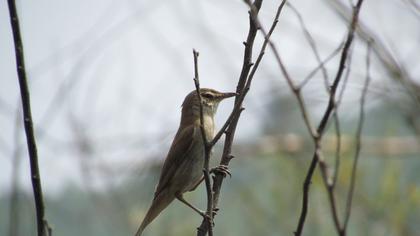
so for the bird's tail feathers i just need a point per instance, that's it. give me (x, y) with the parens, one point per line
(159, 203)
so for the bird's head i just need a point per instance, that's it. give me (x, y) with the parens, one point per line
(210, 100)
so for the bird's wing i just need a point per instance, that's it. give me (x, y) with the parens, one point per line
(181, 146)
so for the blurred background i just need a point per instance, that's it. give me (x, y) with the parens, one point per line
(107, 79)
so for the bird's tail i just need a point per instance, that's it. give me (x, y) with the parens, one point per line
(159, 203)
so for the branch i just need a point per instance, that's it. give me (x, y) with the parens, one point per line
(242, 88)
(42, 224)
(244, 84)
(241, 97)
(207, 152)
(295, 89)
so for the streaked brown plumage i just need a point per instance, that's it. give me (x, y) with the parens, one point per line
(182, 169)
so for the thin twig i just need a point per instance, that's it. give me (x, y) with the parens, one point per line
(42, 224)
(358, 139)
(207, 152)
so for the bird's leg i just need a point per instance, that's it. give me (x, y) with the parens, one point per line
(181, 198)
(223, 169)
(202, 213)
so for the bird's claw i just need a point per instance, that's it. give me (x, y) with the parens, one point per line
(222, 169)
(207, 217)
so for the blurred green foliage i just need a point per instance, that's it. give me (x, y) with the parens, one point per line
(262, 198)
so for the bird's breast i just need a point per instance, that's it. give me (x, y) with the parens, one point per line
(208, 127)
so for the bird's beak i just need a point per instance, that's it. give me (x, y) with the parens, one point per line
(227, 95)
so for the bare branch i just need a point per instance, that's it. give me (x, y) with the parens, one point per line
(243, 85)
(207, 152)
(241, 96)
(42, 224)
(295, 89)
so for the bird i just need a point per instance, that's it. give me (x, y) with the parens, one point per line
(182, 169)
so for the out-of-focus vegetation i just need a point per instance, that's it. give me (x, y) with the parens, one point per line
(262, 198)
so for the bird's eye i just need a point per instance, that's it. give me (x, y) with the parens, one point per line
(207, 95)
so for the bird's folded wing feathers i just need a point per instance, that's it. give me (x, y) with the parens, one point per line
(180, 147)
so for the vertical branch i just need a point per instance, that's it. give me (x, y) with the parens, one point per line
(358, 139)
(243, 86)
(207, 152)
(42, 224)
(295, 89)
(230, 132)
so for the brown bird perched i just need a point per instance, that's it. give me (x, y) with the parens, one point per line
(182, 170)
